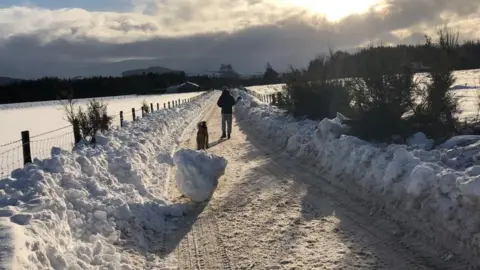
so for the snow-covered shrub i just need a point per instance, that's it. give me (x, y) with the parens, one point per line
(145, 106)
(380, 98)
(313, 96)
(435, 114)
(95, 118)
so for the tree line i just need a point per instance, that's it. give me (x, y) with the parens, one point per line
(52, 88)
(339, 64)
(344, 64)
(377, 92)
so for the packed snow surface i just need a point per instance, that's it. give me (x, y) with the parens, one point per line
(197, 173)
(81, 210)
(436, 190)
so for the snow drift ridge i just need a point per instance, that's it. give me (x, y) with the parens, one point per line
(78, 210)
(435, 191)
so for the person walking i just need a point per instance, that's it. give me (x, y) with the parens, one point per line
(226, 102)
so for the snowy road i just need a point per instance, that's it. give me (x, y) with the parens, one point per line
(269, 212)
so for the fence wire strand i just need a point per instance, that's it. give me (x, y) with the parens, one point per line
(50, 132)
(10, 143)
(10, 160)
(41, 149)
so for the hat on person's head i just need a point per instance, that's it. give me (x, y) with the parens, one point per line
(225, 90)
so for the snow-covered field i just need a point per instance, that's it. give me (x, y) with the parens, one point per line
(41, 117)
(437, 191)
(84, 210)
(266, 89)
(466, 88)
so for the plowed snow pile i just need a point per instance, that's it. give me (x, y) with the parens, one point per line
(76, 210)
(437, 191)
(197, 173)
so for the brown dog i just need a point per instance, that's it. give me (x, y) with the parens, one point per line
(202, 136)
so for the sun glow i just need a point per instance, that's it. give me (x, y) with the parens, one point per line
(336, 9)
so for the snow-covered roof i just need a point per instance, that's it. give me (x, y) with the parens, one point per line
(183, 84)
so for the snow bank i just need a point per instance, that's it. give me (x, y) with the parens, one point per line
(436, 191)
(197, 173)
(79, 210)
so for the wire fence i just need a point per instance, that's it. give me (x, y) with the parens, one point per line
(273, 99)
(41, 148)
(13, 154)
(10, 160)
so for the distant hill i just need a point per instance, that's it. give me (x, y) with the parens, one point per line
(7, 80)
(156, 70)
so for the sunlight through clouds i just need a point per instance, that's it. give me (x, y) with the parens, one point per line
(202, 33)
(334, 10)
(175, 18)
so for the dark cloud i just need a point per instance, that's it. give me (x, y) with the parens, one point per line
(294, 40)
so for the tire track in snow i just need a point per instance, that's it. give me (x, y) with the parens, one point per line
(410, 252)
(193, 238)
(231, 233)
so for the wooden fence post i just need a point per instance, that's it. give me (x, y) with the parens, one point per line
(77, 136)
(158, 106)
(178, 102)
(143, 112)
(273, 99)
(27, 155)
(133, 114)
(121, 118)
(169, 104)
(151, 107)
(164, 105)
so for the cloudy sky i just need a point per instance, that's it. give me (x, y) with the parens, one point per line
(74, 37)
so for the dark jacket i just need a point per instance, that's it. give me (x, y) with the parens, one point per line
(226, 102)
